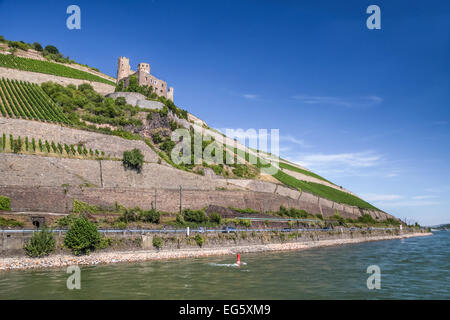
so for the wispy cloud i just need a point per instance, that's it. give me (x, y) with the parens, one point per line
(406, 203)
(291, 139)
(250, 96)
(424, 197)
(440, 123)
(380, 197)
(347, 102)
(396, 201)
(357, 159)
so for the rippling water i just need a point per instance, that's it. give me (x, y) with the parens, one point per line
(415, 268)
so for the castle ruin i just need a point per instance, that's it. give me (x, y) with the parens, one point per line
(144, 77)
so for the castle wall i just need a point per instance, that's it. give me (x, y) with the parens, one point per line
(39, 78)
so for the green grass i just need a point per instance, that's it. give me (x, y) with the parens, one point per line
(28, 101)
(323, 191)
(13, 62)
(305, 172)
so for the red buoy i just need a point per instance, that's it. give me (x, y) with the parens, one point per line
(238, 258)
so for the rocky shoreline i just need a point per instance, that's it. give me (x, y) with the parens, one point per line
(58, 261)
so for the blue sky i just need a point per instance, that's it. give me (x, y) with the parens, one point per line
(368, 109)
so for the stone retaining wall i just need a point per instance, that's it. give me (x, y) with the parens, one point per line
(111, 145)
(36, 77)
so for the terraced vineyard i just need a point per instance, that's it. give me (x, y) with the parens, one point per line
(28, 101)
(13, 62)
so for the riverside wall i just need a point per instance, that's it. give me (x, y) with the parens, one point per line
(11, 244)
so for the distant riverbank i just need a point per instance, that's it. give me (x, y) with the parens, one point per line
(63, 260)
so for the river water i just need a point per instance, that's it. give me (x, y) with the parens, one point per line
(414, 268)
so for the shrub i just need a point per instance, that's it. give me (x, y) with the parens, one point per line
(83, 207)
(26, 143)
(37, 46)
(367, 218)
(199, 240)
(179, 219)
(215, 218)
(133, 160)
(152, 216)
(245, 222)
(156, 137)
(51, 49)
(131, 215)
(319, 216)
(82, 236)
(104, 243)
(41, 244)
(10, 223)
(17, 145)
(5, 203)
(66, 221)
(197, 216)
(157, 242)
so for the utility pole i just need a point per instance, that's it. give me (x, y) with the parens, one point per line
(181, 205)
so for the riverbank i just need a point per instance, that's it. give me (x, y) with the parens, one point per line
(64, 260)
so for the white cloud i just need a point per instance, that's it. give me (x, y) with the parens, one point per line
(423, 197)
(407, 203)
(348, 102)
(339, 160)
(440, 123)
(380, 197)
(291, 139)
(250, 96)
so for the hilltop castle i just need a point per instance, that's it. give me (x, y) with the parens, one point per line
(144, 77)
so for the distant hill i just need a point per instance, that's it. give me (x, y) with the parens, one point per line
(442, 227)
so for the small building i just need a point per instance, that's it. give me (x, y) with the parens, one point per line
(144, 77)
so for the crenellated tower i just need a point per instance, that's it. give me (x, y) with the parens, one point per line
(123, 68)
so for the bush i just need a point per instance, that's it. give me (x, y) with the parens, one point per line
(83, 207)
(66, 221)
(215, 218)
(156, 137)
(157, 242)
(5, 203)
(10, 223)
(82, 237)
(41, 244)
(133, 160)
(131, 215)
(51, 49)
(367, 218)
(197, 216)
(199, 240)
(17, 145)
(245, 222)
(152, 216)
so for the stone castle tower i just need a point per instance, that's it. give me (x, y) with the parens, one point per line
(143, 76)
(123, 68)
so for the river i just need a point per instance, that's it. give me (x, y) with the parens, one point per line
(413, 268)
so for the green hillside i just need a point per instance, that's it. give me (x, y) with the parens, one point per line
(13, 62)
